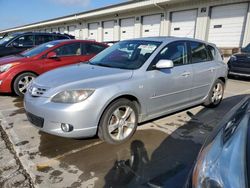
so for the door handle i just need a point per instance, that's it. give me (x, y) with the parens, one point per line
(211, 69)
(186, 74)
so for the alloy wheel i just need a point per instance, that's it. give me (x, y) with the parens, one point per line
(217, 93)
(121, 123)
(24, 83)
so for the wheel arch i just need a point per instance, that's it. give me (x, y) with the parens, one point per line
(22, 72)
(130, 97)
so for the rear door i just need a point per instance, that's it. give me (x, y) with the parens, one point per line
(170, 88)
(66, 54)
(90, 50)
(40, 39)
(204, 67)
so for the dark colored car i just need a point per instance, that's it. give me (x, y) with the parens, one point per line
(17, 71)
(18, 42)
(224, 160)
(239, 64)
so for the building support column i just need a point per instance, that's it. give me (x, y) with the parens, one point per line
(117, 30)
(202, 23)
(100, 32)
(246, 39)
(138, 26)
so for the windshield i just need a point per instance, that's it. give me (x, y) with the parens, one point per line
(6, 39)
(39, 49)
(126, 54)
(247, 48)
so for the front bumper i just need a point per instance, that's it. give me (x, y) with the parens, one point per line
(82, 116)
(5, 83)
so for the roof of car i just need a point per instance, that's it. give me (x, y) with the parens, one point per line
(169, 39)
(75, 40)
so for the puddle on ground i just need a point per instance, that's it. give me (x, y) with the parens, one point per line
(18, 102)
(22, 143)
(147, 155)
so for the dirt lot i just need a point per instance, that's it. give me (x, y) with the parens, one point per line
(161, 152)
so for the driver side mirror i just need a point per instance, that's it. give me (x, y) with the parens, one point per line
(52, 55)
(164, 64)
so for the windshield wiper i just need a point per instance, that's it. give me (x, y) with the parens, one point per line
(101, 64)
(20, 55)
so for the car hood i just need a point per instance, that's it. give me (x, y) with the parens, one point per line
(10, 59)
(82, 75)
(242, 54)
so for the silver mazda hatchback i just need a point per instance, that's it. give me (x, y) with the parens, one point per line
(130, 82)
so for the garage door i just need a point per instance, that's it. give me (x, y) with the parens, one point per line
(151, 25)
(72, 30)
(93, 31)
(183, 23)
(127, 30)
(226, 25)
(55, 30)
(62, 30)
(108, 31)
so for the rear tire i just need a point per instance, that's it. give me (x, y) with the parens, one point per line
(118, 122)
(215, 96)
(21, 83)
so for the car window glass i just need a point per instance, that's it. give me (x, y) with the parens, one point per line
(177, 52)
(211, 52)
(69, 50)
(199, 52)
(6, 39)
(93, 48)
(40, 39)
(39, 49)
(126, 54)
(26, 40)
(59, 37)
(247, 49)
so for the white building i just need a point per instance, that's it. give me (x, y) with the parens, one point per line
(223, 22)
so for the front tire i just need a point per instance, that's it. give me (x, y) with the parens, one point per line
(215, 96)
(118, 122)
(21, 83)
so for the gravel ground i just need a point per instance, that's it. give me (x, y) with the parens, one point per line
(12, 173)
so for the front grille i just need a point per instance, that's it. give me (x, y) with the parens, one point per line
(35, 120)
(37, 91)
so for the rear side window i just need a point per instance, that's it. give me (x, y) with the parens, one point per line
(199, 52)
(69, 50)
(40, 39)
(93, 48)
(60, 37)
(212, 51)
(177, 52)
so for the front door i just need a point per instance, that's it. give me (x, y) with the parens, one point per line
(65, 55)
(170, 88)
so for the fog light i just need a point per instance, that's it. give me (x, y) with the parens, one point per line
(66, 127)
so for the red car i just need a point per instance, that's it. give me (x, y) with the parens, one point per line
(17, 71)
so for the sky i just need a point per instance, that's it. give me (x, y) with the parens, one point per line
(19, 12)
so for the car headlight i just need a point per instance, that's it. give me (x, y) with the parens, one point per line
(233, 58)
(4, 68)
(206, 172)
(72, 96)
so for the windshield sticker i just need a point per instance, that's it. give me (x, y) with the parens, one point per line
(147, 47)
